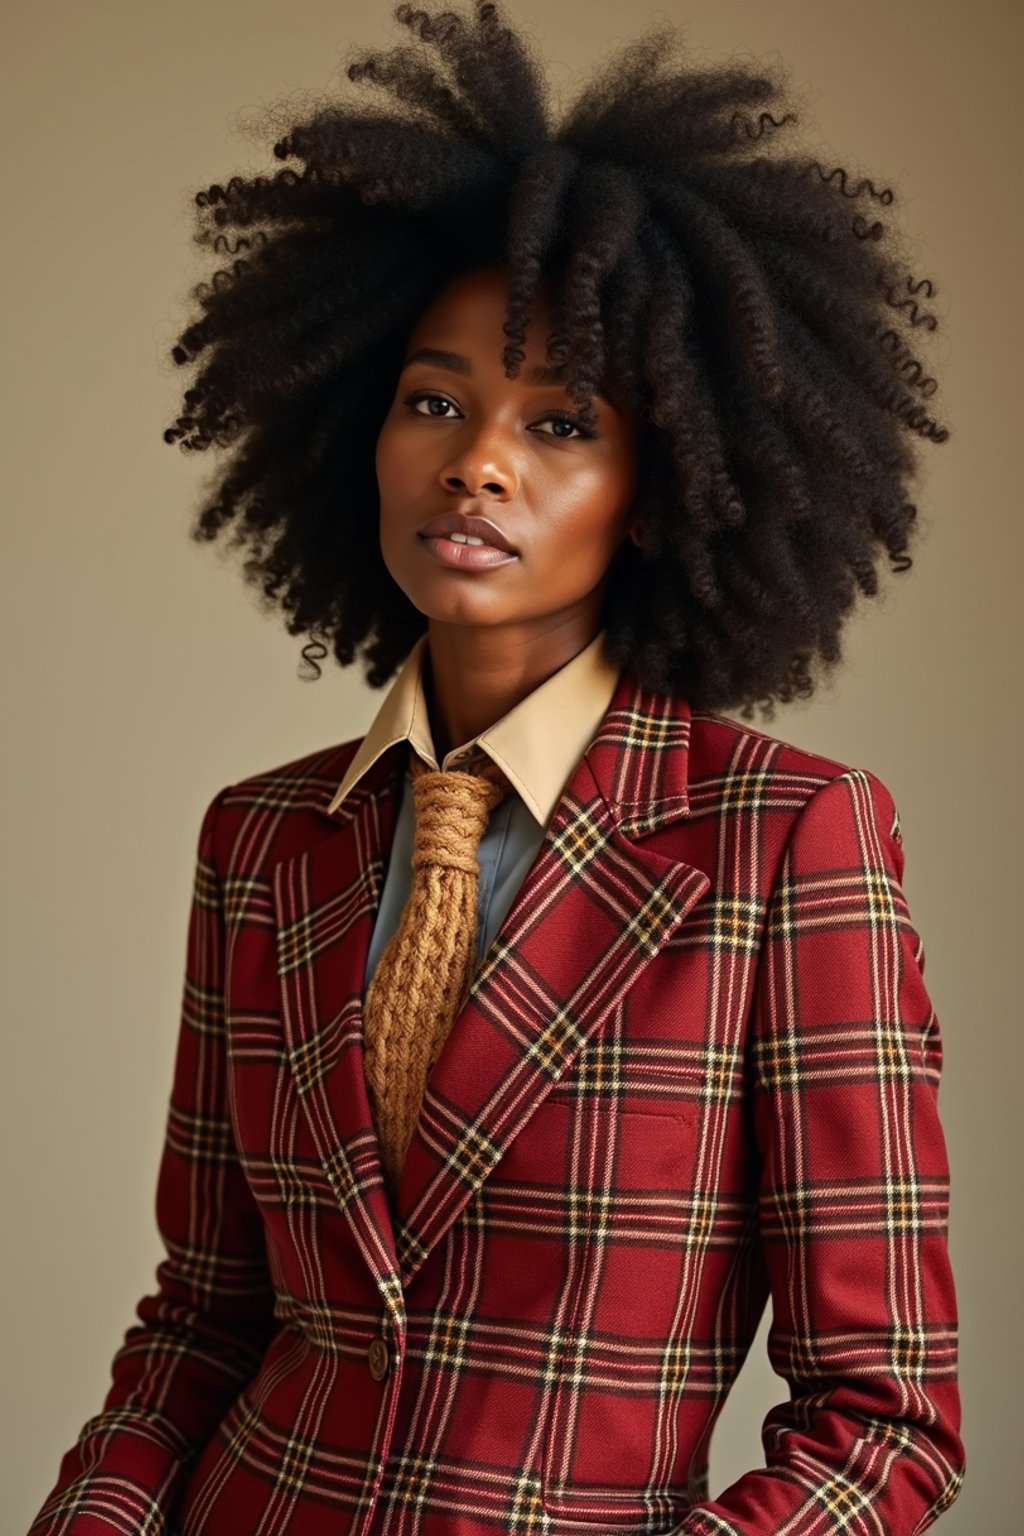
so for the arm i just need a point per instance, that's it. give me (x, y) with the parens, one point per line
(845, 1058)
(203, 1332)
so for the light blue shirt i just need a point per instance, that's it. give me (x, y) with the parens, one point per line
(508, 847)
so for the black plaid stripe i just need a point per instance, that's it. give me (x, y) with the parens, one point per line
(637, 732)
(247, 898)
(144, 1422)
(930, 1347)
(472, 1155)
(667, 1220)
(210, 1277)
(558, 1043)
(198, 1137)
(578, 836)
(653, 920)
(410, 1483)
(525, 1512)
(203, 1006)
(295, 944)
(864, 1051)
(307, 785)
(343, 1180)
(314, 1057)
(832, 1211)
(205, 885)
(303, 939)
(600, 1070)
(845, 1501)
(124, 1508)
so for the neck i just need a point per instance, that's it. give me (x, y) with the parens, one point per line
(473, 677)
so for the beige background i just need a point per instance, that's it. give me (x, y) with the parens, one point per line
(140, 677)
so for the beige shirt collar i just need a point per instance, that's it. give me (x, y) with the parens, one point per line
(537, 743)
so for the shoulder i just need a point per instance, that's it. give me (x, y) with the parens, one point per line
(734, 764)
(301, 783)
(719, 741)
(275, 812)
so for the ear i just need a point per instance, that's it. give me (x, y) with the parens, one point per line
(636, 534)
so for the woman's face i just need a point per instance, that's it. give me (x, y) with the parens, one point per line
(461, 438)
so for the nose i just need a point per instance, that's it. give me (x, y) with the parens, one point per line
(482, 463)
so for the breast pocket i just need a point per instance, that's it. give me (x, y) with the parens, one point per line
(610, 1453)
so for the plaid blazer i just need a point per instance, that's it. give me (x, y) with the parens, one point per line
(697, 1068)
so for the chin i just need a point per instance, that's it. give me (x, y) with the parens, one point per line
(461, 609)
(449, 595)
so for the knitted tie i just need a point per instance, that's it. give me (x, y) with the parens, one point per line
(425, 969)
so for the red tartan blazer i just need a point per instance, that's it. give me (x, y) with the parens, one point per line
(697, 1069)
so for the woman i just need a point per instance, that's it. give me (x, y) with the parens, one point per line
(694, 1065)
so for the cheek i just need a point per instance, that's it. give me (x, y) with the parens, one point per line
(594, 526)
(392, 458)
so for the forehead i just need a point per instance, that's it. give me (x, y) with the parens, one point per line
(462, 329)
(473, 306)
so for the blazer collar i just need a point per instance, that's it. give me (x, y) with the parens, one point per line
(638, 753)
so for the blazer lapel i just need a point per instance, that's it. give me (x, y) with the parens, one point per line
(594, 909)
(326, 901)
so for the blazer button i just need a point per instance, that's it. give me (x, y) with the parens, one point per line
(379, 1359)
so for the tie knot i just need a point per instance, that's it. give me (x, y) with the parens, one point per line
(452, 810)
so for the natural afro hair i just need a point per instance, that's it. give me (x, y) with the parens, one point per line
(752, 306)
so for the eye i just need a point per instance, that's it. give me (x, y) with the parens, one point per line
(429, 395)
(560, 418)
(425, 394)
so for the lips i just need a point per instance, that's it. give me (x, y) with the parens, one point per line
(475, 527)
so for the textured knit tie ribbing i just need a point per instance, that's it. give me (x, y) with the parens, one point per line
(425, 969)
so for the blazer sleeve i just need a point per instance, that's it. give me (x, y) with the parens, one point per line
(202, 1333)
(845, 1056)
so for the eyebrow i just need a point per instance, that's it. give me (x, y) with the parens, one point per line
(541, 373)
